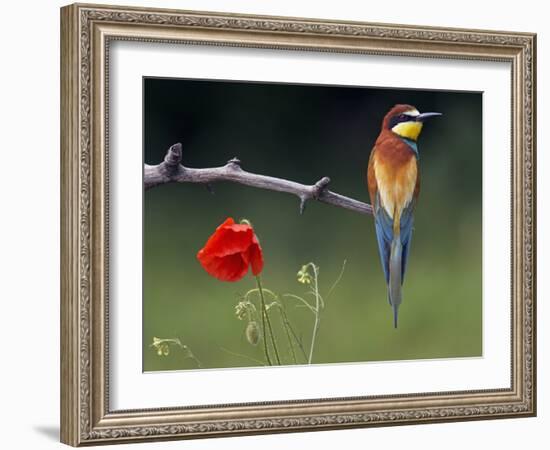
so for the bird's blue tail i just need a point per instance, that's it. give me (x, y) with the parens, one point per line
(395, 275)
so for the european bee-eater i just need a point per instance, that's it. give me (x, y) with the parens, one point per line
(394, 184)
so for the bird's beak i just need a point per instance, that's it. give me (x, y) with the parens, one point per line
(422, 117)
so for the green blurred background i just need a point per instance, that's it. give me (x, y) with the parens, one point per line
(304, 132)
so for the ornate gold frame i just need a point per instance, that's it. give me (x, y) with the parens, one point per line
(86, 31)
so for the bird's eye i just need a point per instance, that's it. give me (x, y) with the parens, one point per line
(402, 116)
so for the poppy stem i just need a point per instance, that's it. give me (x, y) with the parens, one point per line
(266, 315)
(264, 337)
(262, 307)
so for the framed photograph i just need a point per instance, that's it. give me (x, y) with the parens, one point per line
(274, 224)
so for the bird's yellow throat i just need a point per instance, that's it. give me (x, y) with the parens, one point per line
(409, 130)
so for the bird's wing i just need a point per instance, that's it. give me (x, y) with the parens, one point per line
(382, 221)
(384, 234)
(371, 178)
(406, 224)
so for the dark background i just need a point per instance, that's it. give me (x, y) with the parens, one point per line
(304, 132)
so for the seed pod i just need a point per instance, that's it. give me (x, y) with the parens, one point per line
(252, 332)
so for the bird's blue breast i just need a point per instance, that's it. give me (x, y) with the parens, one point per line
(412, 144)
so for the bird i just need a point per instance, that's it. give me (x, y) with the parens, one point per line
(393, 180)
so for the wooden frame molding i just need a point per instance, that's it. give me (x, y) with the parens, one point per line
(86, 33)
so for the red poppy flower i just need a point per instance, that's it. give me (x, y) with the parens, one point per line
(230, 251)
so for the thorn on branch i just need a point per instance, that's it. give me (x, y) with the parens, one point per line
(234, 163)
(319, 187)
(173, 156)
(315, 192)
(210, 188)
(303, 200)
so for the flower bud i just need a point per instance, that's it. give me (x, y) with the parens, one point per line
(303, 275)
(252, 332)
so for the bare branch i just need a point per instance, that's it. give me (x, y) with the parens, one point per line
(172, 171)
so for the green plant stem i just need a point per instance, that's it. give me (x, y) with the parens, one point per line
(286, 325)
(197, 362)
(264, 334)
(264, 311)
(298, 342)
(295, 336)
(240, 355)
(317, 315)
